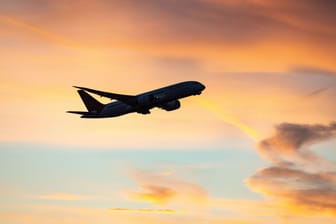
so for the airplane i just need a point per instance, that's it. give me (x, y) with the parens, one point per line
(166, 98)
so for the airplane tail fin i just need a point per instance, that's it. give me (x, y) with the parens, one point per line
(91, 103)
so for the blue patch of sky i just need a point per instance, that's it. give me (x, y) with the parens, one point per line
(41, 169)
(326, 149)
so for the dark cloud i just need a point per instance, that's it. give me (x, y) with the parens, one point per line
(204, 21)
(315, 191)
(285, 175)
(297, 175)
(290, 141)
(318, 91)
(314, 17)
(240, 21)
(197, 21)
(300, 69)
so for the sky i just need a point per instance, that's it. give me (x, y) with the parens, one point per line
(258, 145)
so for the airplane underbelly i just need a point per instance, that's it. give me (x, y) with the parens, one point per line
(116, 110)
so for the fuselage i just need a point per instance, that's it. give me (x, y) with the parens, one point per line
(165, 98)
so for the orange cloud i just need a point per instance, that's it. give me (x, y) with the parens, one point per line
(307, 16)
(253, 35)
(161, 189)
(296, 191)
(298, 179)
(40, 214)
(44, 33)
(144, 210)
(154, 194)
(43, 213)
(63, 197)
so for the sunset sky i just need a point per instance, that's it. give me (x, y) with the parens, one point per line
(258, 146)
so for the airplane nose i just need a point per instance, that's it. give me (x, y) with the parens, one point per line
(202, 87)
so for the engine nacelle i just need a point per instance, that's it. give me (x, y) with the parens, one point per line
(171, 105)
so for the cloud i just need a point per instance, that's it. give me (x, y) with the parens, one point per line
(228, 35)
(313, 17)
(161, 189)
(290, 141)
(63, 197)
(184, 21)
(37, 30)
(154, 194)
(144, 210)
(234, 22)
(298, 179)
(311, 70)
(318, 91)
(45, 213)
(314, 192)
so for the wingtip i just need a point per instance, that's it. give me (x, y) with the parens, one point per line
(81, 88)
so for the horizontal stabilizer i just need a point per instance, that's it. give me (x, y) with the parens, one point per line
(128, 99)
(78, 112)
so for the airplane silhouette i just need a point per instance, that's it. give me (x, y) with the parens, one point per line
(166, 98)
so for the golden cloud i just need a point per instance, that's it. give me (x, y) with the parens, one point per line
(158, 188)
(298, 178)
(63, 197)
(154, 194)
(144, 210)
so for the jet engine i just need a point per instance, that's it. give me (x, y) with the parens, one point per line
(171, 105)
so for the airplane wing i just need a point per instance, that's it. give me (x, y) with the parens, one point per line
(128, 99)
